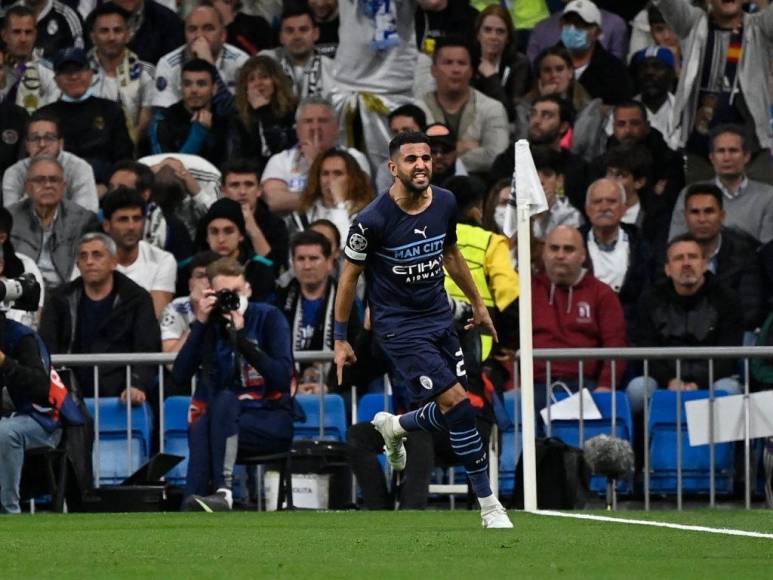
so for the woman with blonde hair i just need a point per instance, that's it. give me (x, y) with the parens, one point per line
(337, 189)
(262, 123)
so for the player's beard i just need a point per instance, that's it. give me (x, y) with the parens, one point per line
(413, 189)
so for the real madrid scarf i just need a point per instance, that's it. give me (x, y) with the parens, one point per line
(312, 74)
(27, 91)
(128, 75)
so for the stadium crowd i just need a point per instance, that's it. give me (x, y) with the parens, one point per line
(152, 151)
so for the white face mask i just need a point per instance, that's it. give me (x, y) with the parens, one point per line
(242, 304)
(499, 216)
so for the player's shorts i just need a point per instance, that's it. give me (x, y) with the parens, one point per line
(428, 364)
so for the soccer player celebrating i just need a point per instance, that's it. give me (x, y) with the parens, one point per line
(402, 241)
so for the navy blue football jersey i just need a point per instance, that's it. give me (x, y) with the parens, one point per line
(403, 259)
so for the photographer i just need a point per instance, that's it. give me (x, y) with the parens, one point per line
(37, 401)
(241, 352)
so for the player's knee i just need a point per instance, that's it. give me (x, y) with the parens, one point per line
(451, 398)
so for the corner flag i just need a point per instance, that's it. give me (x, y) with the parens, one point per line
(526, 188)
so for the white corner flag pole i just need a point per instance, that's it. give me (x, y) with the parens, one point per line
(529, 200)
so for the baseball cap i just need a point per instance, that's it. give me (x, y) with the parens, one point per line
(586, 10)
(70, 55)
(654, 51)
(447, 141)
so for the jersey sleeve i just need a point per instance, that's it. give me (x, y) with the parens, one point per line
(173, 324)
(361, 239)
(166, 91)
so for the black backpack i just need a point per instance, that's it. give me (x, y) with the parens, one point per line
(563, 477)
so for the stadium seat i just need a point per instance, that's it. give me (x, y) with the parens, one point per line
(176, 435)
(113, 463)
(695, 460)
(373, 403)
(569, 431)
(335, 418)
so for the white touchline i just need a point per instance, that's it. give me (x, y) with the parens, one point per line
(725, 531)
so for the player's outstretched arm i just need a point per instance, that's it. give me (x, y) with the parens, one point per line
(347, 286)
(456, 266)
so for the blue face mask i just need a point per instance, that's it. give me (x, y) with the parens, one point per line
(574, 39)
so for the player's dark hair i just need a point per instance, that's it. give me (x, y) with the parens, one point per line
(732, 129)
(450, 42)
(704, 189)
(106, 9)
(411, 111)
(200, 65)
(635, 159)
(310, 238)
(122, 198)
(566, 110)
(143, 173)
(407, 138)
(241, 166)
(329, 225)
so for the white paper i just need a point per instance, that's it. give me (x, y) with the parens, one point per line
(569, 409)
(729, 418)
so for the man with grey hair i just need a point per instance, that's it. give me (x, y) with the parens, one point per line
(102, 311)
(618, 254)
(284, 177)
(47, 226)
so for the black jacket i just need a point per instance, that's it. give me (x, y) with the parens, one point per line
(265, 135)
(606, 77)
(738, 268)
(130, 327)
(639, 275)
(250, 33)
(94, 130)
(708, 318)
(13, 124)
(161, 31)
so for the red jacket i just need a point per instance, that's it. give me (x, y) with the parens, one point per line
(586, 315)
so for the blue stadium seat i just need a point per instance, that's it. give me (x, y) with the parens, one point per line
(373, 403)
(569, 431)
(695, 460)
(511, 444)
(176, 435)
(114, 464)
(335, 418)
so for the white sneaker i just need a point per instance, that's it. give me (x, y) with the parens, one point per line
(495, 516)
(393, 444)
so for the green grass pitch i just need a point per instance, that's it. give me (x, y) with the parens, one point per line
(409, 545)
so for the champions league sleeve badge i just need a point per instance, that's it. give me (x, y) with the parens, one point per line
(10, 137)
(161, 83)
(52, 27)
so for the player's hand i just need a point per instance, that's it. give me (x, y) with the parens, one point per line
(344, 356)
(481, 317)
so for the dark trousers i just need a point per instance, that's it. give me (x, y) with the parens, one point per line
(425, 452)
(225, 428)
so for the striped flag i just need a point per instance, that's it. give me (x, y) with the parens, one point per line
(526, 187)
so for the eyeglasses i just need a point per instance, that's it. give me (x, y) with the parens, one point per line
(47, 138)
(43, 179)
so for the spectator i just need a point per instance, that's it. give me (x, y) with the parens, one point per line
(618, 253)
(43, 138)
(223, 230)
(96, 128)
(119, 74)
(403, 119)
(654, 71)
(572, 309)
(285, 175)
(307, 302)
(445, 161)
(192, 125)
(155, 29)
(748, 204)
(266, 233)
(163, 229)
(47, 226)
(25, 364)
(503, 73)
(205, 37)
(555, 76)
(689, 308)
(325, 14)
(548, 32)
(726, 56)
(102, 311)
(250, 33)
(550, 169)
(731, 255)
(602, 74)
(309, 71)
(13, 265)
(440, 19)
(27, 81)
(337, 190)
(631, 167)
(146, 265)
(550, 119)
(479, 122)
(649, 27)
(58, 26)
(181, 312)
(13, 119)
(246, 407)
(524, 14)
(262, 123)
